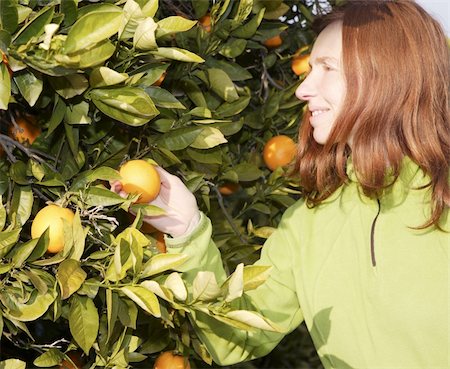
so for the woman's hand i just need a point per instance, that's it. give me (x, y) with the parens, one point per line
(180, 205)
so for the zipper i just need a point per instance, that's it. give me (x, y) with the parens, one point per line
(372, 235)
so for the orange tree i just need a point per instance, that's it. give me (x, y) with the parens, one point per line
(138, 79)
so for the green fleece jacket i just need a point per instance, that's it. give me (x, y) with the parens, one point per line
(374, 292)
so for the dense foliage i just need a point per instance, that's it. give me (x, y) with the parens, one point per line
(189, 85)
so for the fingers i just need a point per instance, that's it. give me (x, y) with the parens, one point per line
(116, 186)
(168, 180)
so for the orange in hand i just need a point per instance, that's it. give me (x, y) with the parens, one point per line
(140, 177)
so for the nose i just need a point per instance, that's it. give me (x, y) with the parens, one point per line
(305, 91)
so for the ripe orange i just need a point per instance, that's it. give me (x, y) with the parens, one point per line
(52, 216)
(170, 360)
(140, 177)
(75, 356)
(205, 22)
(228, 188)
(28, 129)
(279, 151)
(160, 80)
(273, 42)
(300, 62)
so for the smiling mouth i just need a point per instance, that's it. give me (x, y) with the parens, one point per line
(318, 112)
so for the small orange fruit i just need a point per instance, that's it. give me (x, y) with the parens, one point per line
(273, 42)
(6, 62)
(300, 61)
(300, 64)
(160, 80)
(228, 188)
(28, 130)
(140, 177)
(51, 216)
(170, 360)
(160, 242)
(75, 356)
(279, 151)
(205, 22)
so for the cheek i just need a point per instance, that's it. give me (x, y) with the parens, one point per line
(335, 89)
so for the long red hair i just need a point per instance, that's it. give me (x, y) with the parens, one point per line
(396, 65)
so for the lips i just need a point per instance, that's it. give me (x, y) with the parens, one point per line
(317, 114)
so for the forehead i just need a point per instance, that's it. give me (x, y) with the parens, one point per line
(329, 42)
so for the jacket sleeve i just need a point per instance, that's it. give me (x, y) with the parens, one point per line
(276, 299)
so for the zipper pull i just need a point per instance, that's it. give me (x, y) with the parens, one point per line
(372, 235)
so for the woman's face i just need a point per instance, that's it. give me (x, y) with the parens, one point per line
(324, 88)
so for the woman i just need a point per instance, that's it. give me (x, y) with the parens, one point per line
(363, 258)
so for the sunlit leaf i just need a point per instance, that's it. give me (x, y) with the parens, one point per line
(83, 321)
(93, 27)
(70, 277)
(144, 298)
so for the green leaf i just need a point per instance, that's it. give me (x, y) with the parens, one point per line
(174, 24)
(233, 48)
(86, 58)
(30, 85)
(205, 287)
(78, 114)
(2, 215)
(194, 92)
(35, 27)
(5, 86)
(248, 172)
(130, 105)
(49, 358)
(176, 53)
(79, 238)
(235, 284)
(175, 283)
(254, 276)
(8, 240)
(234, 70)
(83, 322)
(229, 109)
(8, 15)
(59, 109)
(22, 252)
(104, 76)
(93, 27)
(144, 298)
(209, 137)
(98, 196)
(69, 9)
(12, 364)
(35, 307)
(144, 37)
(70, 277)
(249, 29)
(22, 203)
(161, 262)
(163, 98)
(222, 85)
(179, 139)
(69, 86)
(101, 173)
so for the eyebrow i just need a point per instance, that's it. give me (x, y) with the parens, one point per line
(324, 59)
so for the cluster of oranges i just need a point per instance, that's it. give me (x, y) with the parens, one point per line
(138, 176)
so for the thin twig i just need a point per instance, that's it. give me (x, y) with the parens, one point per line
(225, 212)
